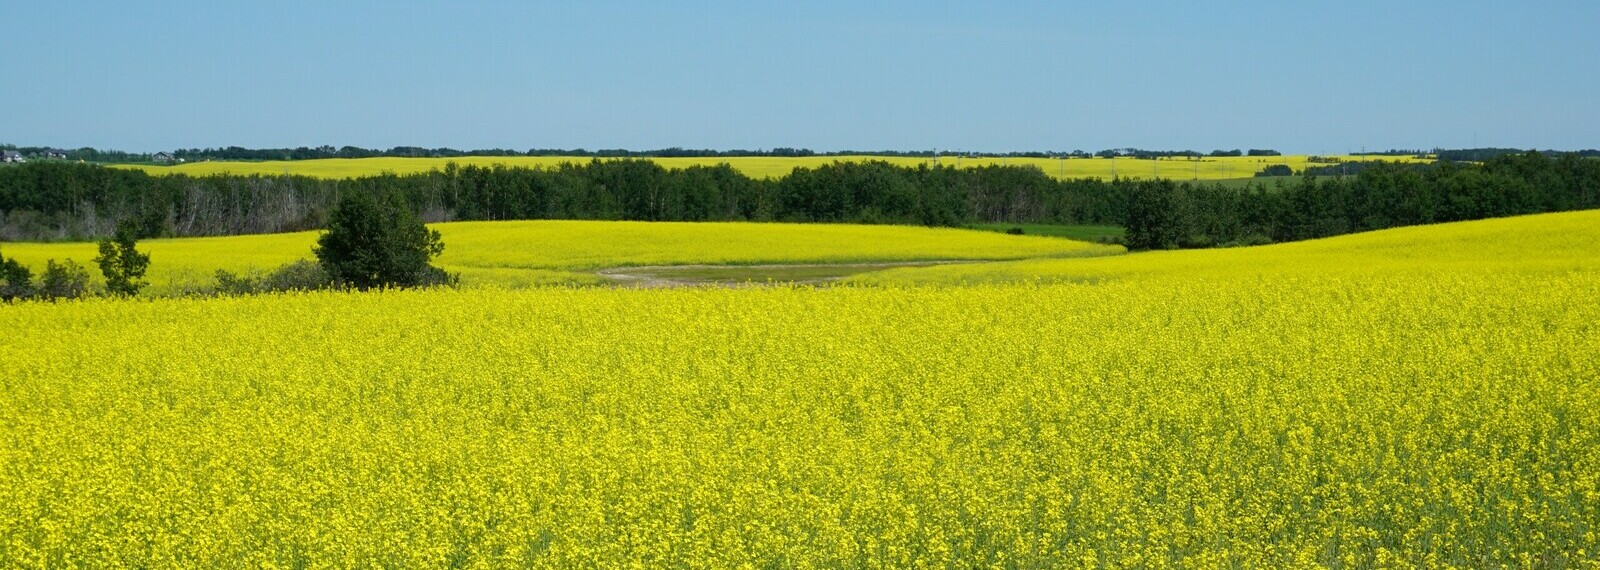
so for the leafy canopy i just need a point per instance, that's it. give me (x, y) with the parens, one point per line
(122, 265)
(377, 241)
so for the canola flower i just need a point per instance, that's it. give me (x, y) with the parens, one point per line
(1207, 168)
(1442, 417)
(1523, 245)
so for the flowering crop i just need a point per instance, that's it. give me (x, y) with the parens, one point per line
(1208, 168)
(1524, 245)
(1448, 417)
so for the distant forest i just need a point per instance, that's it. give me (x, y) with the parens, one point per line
(234, 153)
(59, 200)
(1164, 215)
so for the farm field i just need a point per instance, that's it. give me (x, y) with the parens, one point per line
(1208, 168)
(522, 253)
(1523, 245)
(1416, 397)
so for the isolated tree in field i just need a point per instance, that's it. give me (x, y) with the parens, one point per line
(122, 265)
(377, 241)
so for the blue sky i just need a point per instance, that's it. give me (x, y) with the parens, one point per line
(1299, 77)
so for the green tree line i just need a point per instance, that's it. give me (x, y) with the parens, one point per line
(63, 200)
(236, 153)
(1163, 215)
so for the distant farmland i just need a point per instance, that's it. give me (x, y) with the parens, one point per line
(1207, 168)
(544, 252)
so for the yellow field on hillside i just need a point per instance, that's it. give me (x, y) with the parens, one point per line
(1426, 397)
(1543, 243)
(770, 167)
(550, 251)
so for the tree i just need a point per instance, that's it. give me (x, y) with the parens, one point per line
(1161, 214)
(122, 265)
(377, 241)
(16, 282)
(1276, 170)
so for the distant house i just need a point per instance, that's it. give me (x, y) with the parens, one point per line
(10, 156)
(55, 153)
(162, 157)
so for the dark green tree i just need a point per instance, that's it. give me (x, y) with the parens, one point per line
(122, 265)
(16, 282)
(377, 241)
(1276, 170)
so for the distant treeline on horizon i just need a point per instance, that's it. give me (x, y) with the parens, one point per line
(234, 153)
(56, 200)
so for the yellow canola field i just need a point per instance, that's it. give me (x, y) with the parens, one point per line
(1208, 168)
(1320, 414)
(520, 253)
(1524, 245)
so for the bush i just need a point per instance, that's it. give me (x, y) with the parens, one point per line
(378, 242)
(303, 275)
(1015, 231)
(16, 282)
(66, 280)
(1276, 170)
(230, 283)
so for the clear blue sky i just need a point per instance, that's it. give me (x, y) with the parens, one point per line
(1296, 76)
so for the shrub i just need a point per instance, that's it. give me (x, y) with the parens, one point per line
(377, 242)
(1276, 170)
(303, 275)
(66, 280)
(16, 282)
(230, 283)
